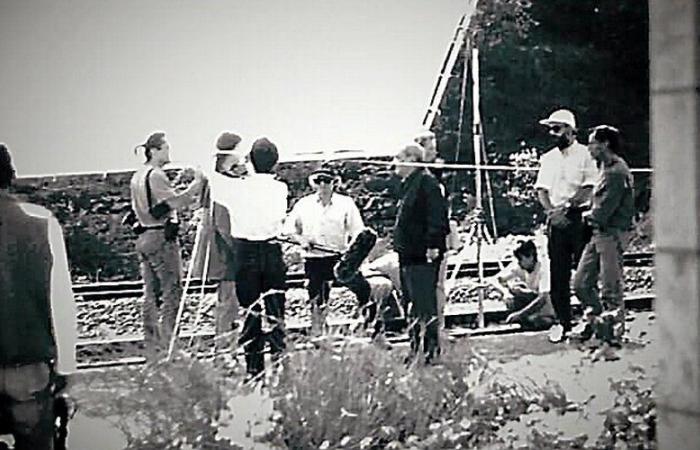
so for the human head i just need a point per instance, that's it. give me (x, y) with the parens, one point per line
(323, 180)
(526, 254)
(427, 140)
(156, 148)
(263, 155)
(410, 153)
(226, 156)
(7, 170)
(603, 141)
(562, 127)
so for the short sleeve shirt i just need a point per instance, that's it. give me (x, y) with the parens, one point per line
(537, 280)
(161, 190)
(563, 172)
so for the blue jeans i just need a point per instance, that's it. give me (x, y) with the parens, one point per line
(418, 289)
(26, 405)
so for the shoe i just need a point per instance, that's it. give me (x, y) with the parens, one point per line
(556, 334)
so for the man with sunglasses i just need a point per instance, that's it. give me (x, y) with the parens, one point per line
(325, 223)
(564, 183)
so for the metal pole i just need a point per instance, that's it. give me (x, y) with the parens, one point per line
(477, 163)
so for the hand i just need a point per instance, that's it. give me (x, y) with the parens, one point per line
(557, 217)
(432, 254)
(512, 318)
(198, 175)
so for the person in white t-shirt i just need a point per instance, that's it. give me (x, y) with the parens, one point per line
(564, 184)
(525, 287)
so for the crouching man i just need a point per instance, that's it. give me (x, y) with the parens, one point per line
(525, 287)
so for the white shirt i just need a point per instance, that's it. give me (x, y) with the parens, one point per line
(257, 204)
(63, 308)
(537, 280)
(334, 225)
(161, 190)
(562, 172)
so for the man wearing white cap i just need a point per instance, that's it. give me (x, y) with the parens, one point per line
(330, 220)
(564, 183)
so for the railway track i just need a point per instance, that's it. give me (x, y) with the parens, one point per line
(128, 289)
(460, 321)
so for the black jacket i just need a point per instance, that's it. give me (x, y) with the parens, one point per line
(421, 222)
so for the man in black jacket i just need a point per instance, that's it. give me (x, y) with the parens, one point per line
(419, 239)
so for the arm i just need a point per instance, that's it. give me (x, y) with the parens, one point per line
(63, 308)
(531, 308)
(436, 214)
(353, 220)
(610, 195)
(543, 197)
(161, 188)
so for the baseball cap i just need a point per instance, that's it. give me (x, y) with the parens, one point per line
(560, 116)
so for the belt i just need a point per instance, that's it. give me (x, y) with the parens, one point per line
(272, 240)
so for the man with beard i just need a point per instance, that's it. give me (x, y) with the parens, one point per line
(564, 183)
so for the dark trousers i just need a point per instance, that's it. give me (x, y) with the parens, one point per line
(418, 283)
(260, 268)
(26, 406)
(319, 272)
(565, 247)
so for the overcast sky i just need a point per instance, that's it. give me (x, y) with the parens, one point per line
(82, 82)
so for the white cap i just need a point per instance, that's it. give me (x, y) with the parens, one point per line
(560, 116)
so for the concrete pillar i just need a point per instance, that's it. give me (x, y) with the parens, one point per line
(675, 138)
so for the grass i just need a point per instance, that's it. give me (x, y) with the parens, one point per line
(366, 398)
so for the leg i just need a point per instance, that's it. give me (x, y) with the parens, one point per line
(31, 406)
(586, 278)
(146, 246)
(611, 249)
(274, 277)
(171, 281)
(359, 286)
(422, 280)
(318, 273)
(560, 274)
(248, 289)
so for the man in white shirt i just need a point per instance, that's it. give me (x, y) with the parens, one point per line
(330, 221)
(38, 325)
(525, 286)
(258, 205)
(564, 183)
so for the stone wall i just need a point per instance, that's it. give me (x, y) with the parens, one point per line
(90, 208)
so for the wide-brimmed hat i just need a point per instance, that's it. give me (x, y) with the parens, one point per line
(323, 173)
(560, 117)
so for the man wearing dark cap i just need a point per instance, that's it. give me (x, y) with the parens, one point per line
(257, 207)
(154, 201)
(216, 243)
(330, 221)
(38, 325)
(610, 217)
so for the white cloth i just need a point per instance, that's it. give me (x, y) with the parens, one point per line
(537, 280)
(257, 204)
(563, 172)
(161, 190)
(63, 308)
(334, 225)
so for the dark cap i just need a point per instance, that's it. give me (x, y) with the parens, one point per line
(263, 155)
(228, 141)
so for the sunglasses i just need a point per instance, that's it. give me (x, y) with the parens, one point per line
(324, 180)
